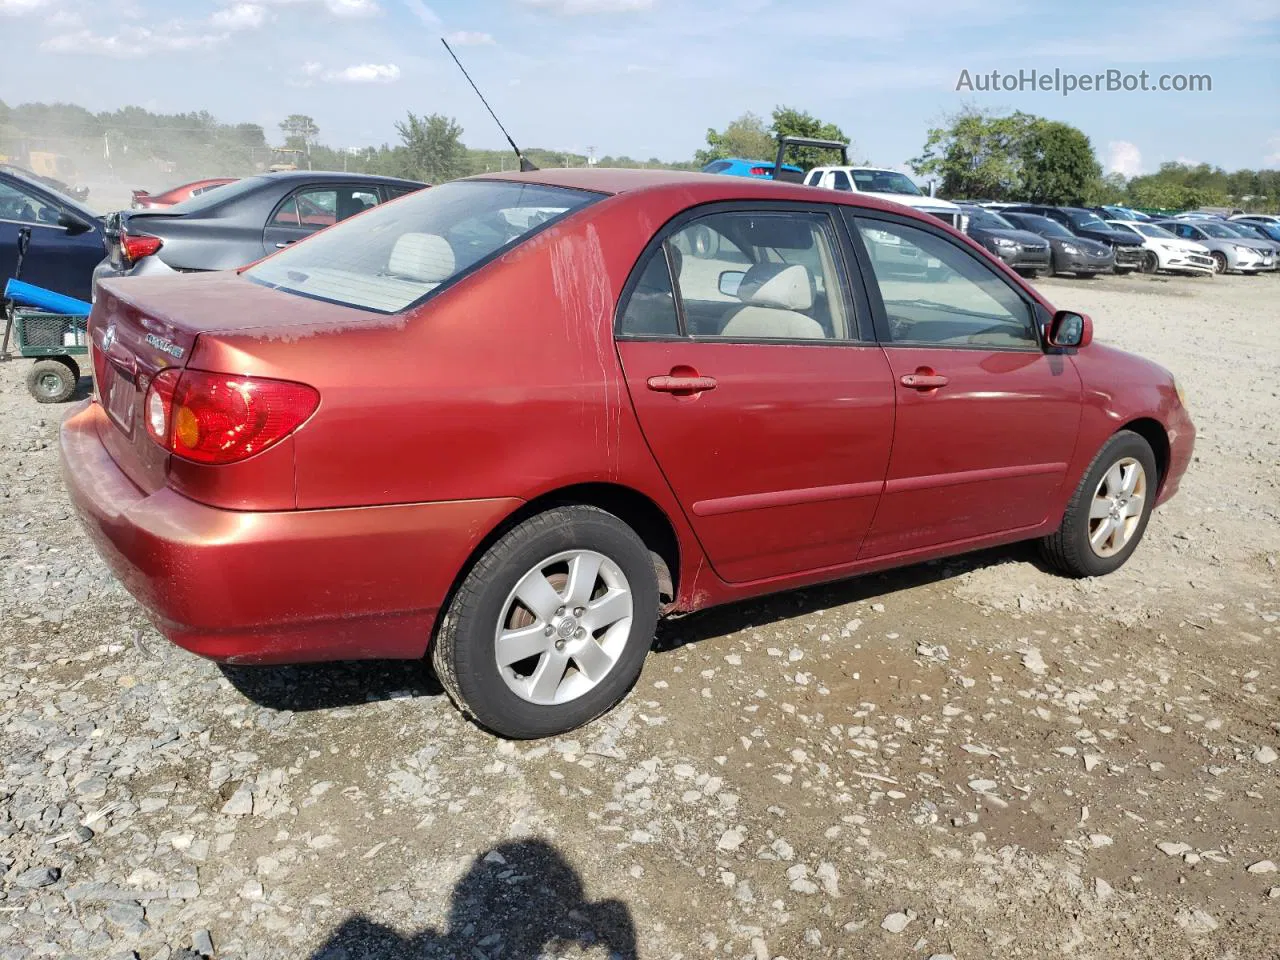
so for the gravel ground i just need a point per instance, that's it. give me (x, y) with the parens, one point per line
(971, 758)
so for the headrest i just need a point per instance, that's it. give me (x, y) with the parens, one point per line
(777, 285)
(426, 257)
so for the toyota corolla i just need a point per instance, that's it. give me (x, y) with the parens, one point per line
(509, 422)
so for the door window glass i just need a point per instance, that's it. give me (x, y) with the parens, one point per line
(25, 207)
(319, 207)
(651, 307)
(840, 180)
(761, 276)
(936, 293)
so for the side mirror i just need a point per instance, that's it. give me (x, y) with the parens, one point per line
(730, 281)
(1071, 330)
(72, 223)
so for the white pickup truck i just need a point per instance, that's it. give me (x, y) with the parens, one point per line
(887, 185)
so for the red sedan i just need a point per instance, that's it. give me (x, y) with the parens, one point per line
(512, 420)
(142, 200)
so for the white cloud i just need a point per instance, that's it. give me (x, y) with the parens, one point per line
(469, 38)
(573, 8)
(423, 12)
(130, 42)
(365, 73)
(1124, 158)
(339, 8)
(240, 16)
(16, 8)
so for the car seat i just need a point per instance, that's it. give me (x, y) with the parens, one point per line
(773, 294)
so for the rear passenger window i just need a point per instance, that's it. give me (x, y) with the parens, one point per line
(761, 276)
(651, 309)
(840, 180)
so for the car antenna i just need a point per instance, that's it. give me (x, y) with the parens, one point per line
(525, 164)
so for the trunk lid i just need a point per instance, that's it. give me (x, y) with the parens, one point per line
(142, 325)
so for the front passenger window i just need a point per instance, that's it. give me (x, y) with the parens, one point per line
(936, 293)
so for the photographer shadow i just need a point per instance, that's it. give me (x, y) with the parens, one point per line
(521, 900)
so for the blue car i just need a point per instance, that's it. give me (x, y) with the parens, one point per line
(66, 236)
(737, 167)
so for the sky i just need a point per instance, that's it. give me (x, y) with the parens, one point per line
(646, 78)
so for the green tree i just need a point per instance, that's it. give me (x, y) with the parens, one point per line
(746, 137)
(789, 122)
(976, 154)
(433, 147)
(299, 130)
(1058, 165)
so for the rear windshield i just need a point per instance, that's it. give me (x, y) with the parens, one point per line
(396, 254)
(199, 202)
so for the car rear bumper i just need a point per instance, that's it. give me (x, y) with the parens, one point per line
(273, 587)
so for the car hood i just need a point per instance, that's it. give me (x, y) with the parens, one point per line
(1025, 237)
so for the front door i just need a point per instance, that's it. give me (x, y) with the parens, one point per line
(986, 420)
(769, 413)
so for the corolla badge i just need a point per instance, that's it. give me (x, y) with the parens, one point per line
(108, 337)
(165, 346)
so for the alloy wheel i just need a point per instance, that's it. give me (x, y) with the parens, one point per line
(563, 627)
(1116, 510)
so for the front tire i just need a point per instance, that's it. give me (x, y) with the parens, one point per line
(550, 627)
(1150, 262)
(1219, 262)
(1108, 513)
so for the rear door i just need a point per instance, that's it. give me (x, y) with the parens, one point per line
(768, 407)
(986, 420)
(314, 207)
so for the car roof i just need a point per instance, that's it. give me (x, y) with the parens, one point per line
(335, 175)
(700, 187)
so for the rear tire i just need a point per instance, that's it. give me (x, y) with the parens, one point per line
(568, 562)
(53, 380)
(1104, 522)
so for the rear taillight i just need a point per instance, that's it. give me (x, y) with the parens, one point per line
(136, 246)
(215, 418)
(759, 171)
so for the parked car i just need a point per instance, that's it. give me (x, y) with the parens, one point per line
(1262, 229)
(1272, 219)
(66, 236)
(886, 185)
(1231, 252)
(1085, 224)
(1164, 251)
(737, 167)
(1068, 253)
(1110, 212)
(394, 440)
(142, 200)
(1254, 234)
(1022, 250)
(240, 222)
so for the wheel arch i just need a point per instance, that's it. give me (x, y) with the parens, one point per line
(637, 510)
(1152, 431)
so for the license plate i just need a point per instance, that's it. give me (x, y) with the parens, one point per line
(120, 394)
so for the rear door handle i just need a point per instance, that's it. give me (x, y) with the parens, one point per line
(287, 243)
(924, 381)
(670, 384)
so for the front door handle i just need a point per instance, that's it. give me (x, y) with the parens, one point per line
(686, 385)
(924, 381)
(287, 243)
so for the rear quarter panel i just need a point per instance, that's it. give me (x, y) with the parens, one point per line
(506, 385)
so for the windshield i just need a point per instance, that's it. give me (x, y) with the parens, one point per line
(1242, 230)
(1151, 230)
(1218, 230)
(987, 220)
(1086, 221)
(396, 254)
(1044, 226)
(885, 181)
